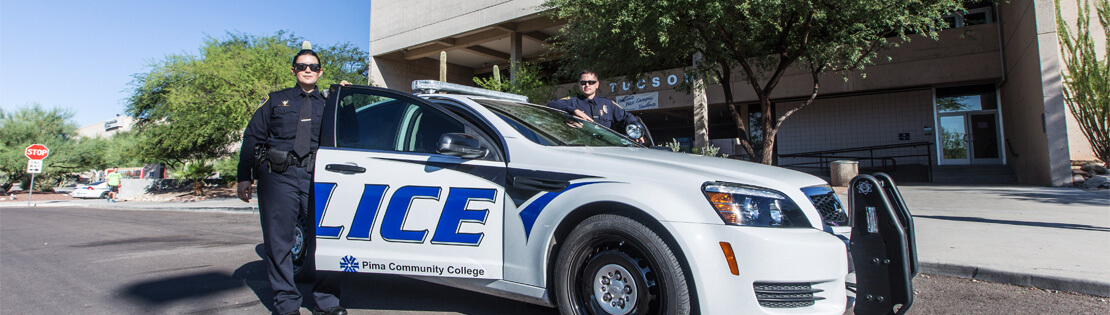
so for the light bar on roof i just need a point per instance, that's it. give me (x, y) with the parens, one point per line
(433, 86)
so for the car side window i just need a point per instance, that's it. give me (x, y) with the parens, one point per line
(376, 122)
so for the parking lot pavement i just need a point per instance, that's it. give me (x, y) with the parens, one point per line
(1046, 237)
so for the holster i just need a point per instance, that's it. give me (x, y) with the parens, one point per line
(279, 160)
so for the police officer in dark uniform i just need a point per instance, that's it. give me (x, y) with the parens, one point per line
(278, 150)
(589, 106)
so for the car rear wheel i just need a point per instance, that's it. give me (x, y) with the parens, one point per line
(612, 264)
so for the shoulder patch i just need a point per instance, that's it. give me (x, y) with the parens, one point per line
(565, 98)
(263, 102)
(617, 104)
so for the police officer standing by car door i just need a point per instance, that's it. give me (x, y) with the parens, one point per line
(278, 150)
(589, 106)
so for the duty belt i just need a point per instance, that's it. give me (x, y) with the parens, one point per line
(281, 160)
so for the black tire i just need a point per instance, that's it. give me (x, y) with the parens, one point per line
(303, 264)
(607, 252)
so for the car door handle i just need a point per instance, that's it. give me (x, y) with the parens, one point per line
(345, 168)
(532, 183)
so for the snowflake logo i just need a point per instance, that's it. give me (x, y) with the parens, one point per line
(864, 188)
(349, 264)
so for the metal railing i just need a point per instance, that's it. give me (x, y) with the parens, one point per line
(888, 163)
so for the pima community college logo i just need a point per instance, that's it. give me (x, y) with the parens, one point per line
(349, 264)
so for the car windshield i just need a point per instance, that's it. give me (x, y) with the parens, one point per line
(549, 127)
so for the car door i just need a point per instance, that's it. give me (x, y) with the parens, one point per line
(387, 202)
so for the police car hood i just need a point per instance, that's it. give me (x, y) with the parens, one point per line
(647, 162)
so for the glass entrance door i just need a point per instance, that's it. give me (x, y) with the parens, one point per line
(968, 130)
(969, 138)
(953, 140)
(984, 138)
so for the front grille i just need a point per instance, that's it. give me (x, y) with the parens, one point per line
(832, 212)
(786, 295)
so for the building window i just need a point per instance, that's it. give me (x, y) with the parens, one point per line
(968, 98)
(977, 13)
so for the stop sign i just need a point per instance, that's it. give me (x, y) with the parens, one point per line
(36, 152)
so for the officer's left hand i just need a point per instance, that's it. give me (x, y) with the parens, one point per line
(344, 83)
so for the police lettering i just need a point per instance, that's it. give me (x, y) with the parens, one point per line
(453, 214)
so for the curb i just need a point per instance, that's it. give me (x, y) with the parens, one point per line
(1083, 286)
(212, 208)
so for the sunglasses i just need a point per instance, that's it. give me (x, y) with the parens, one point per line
(314, 67)
(590, 82)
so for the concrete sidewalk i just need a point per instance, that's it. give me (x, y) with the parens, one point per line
(1044, 237)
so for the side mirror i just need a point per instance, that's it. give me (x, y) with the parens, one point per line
(637, 130)
(634, 131)
(461, 145)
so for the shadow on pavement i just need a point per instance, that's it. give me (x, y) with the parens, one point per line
(359, 291)
(199, 285)
(1051, 195)
(391, 293)
(171, 289)
(1069, 226)
(1064, 197)
(398, 293)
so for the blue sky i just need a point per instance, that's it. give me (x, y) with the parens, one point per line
(82, 54)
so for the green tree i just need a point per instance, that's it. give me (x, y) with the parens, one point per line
(54, 129)
(1087, 82)
(196, 171)
(763, 39)
(528, 81)
(194, 108)
(123, 150)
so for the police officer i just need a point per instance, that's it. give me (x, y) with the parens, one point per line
(278, 150)
(589, 106)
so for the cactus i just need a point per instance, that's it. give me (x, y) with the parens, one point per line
(497, 77)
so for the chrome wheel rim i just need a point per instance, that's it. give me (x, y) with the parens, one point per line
(614, 289)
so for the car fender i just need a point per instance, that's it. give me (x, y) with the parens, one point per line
(561, 215)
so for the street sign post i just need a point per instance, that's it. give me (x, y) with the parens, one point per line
(35, 153)
(34, 166)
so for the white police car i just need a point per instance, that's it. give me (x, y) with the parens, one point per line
(492, 194)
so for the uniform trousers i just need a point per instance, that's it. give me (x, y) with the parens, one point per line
(281, 198)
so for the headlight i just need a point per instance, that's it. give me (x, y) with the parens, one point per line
(752, 206)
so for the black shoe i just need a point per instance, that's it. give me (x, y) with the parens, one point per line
(297, 312)
(338, 310)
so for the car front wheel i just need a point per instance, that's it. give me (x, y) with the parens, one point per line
(302, 260)
(612, 264)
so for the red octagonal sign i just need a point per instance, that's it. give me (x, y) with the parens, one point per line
(36, 152)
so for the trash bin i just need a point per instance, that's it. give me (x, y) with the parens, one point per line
(842, 172)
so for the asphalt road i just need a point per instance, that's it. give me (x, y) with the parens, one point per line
(70, 260)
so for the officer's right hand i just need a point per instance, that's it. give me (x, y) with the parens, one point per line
(582, 115)
(244, 190)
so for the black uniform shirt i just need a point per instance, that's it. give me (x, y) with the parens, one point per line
(604, 111)
(275, 124)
